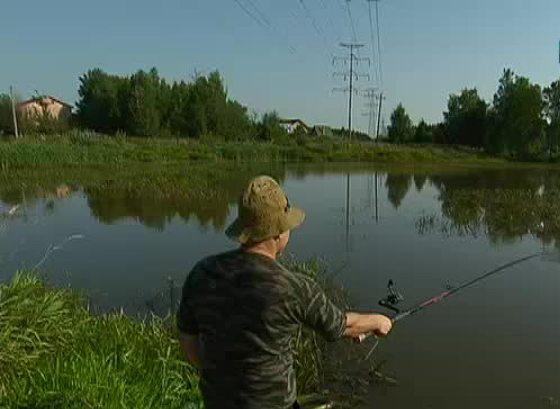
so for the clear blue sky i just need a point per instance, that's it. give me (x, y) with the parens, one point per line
(429, 48)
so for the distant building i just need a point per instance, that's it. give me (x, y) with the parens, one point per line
(322, 131)
(45, 106)
(291, 125)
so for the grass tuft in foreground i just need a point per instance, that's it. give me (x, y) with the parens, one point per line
(56, 354)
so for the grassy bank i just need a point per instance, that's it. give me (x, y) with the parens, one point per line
(57, 354)
(89, 149)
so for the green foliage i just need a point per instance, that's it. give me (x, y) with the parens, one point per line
(439, 133)
(87, 148)
(552, 112)
(143, 114)
(401, 129)
(465, 119)
(6, 120)
(423, 133)
(397, 187)
(102, 104)
(269, 128)
(144, 104)
(56, 354)
(44, 124)
(522, 123)
(517, 123)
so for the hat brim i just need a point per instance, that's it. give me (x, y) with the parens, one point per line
(238, 231)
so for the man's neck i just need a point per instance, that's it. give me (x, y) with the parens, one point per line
(260, 249)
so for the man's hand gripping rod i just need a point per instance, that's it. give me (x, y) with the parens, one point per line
(394, 296)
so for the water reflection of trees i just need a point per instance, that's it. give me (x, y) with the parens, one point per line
(504, 205)
(420, 181)
(113, 204)
(152, 197)
(397, 185)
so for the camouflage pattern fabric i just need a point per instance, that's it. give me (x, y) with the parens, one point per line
(246, 309)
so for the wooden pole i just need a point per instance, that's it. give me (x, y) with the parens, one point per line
(379, 116)
(16, 133)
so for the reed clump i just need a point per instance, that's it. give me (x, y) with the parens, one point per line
(86, 148)
(56, 354)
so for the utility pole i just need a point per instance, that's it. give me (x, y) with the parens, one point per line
(16, 133)
(381, 98)
(351, 75)
(370, 94)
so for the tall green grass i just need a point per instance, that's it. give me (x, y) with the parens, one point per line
(56, 354)
(84, 148)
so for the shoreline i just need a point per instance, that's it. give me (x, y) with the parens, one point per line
(82, 149)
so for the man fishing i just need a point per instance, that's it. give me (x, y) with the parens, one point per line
(240, 310)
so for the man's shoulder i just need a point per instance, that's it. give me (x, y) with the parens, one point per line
(210, 264)
(234, 262)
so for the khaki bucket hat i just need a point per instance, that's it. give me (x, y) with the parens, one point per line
(263, 212)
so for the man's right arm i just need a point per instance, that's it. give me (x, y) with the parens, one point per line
(321, 314)
(359, 325)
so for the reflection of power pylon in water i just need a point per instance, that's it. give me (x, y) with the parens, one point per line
(373, 195)
(372, 200)
(376, 199)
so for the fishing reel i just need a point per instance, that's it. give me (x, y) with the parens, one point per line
(393, 298)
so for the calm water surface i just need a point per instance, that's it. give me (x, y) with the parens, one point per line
(493, 346)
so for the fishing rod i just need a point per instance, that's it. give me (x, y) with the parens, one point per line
(394, 297)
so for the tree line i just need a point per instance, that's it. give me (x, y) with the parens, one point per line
(522, 122)
(146, 105)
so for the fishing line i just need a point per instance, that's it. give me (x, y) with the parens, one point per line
(394, 297)
(391, 300)
(51, 249)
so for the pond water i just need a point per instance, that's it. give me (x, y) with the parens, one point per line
(493, 346)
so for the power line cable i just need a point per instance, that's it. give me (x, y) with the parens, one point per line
(330, 21)
(315, 26)
(352, 26)
(261, 15)
(372, 36)
(251, 14)
(262, 21)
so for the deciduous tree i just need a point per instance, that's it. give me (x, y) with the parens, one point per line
(465, 119)
(552, 111)
(517, 122)
(401, 129)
